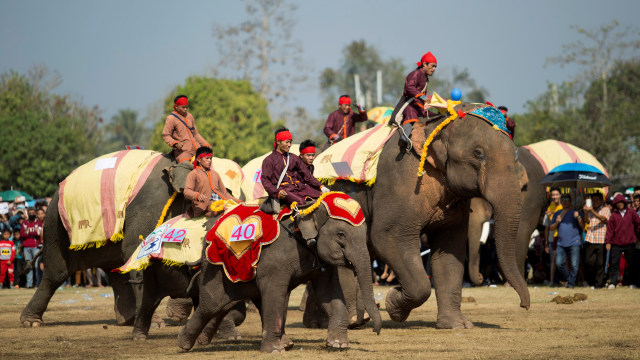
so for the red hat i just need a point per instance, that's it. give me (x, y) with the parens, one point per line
(427, 58)
(308, 150)
(619, 198)
(344, 100)
(181, 101)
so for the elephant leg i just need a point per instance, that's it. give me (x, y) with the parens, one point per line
(222, 322)
(227, 328)
(274, 307)
(146, 313)
(125, 299)
(350, 291)
(179, 309)
(32, 313)
(448, 269)
(314, 316)
(331, 298)
(194, 326)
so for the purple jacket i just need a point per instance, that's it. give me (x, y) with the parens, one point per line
(622, 231)
(297, 176)
(341, 124)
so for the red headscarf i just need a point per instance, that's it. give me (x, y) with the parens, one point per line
(181, 101)
(427, 58)
(195, 162)
(344, 100)
(308, 150)
(282, 136)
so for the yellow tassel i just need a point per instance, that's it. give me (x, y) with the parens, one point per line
(315, 205)
(168, 262)
(166, 208)
(95, 244)
(117, 237)
(423, 156)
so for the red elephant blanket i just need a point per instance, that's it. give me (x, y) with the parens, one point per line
(236, 240)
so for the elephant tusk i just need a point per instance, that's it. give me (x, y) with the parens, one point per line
(486, 227)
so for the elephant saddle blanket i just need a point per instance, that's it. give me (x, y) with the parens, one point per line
(236, 240)
(176, 242)
(94, 197)
(354, 158)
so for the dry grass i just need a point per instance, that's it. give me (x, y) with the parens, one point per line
(79, 324)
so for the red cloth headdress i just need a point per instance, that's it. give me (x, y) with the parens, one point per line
(181, 101)
(308, 150)
(427, 58)
(195, 162)
(344, 100)
(282, 136)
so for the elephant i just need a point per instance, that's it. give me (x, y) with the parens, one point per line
(467, 158)
(339, 244)
(533, 197)
(141, 216)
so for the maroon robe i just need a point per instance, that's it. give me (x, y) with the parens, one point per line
(413, 86)
(298, 182)
(341, 124)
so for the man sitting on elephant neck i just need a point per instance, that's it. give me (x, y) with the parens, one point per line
(308, 153)
(180, 131)
(415, 94)
(204, 185)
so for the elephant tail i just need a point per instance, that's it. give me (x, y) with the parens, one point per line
(29, 265)
(193, 281)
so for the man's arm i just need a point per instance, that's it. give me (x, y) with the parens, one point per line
(223, 189)
(411, 86)
(189, 187)
(360, 116)
(167, 131)
(303, 170)
(267, 177)
(328, 128)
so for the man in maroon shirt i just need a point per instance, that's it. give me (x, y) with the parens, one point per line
(623, 229)
(411, 105)
(511, 125)
(341, 123)
(30, 232)
(294, 184)
(308, 153)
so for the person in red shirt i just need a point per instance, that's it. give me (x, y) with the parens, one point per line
(341, 123)
(7, 255)
(511, 125)
(180, 131)
(414, 97)
(30, 232)
(623, 230)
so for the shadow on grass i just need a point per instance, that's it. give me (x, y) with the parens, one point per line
(111, 322)
(247, 345)
(388, 324)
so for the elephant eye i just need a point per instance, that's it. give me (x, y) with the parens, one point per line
(478, 154)
(341, 234)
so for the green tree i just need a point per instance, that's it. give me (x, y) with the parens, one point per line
(125, 129)
(44, 135)
(229, 114)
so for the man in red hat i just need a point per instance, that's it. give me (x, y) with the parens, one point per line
(180, 131)
(204, 185)
(341, 123)
(285, 176)
(623, 231)
(411, 105)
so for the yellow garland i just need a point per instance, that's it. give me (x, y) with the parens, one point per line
(454, 115)
(219, 205)
(315, 205)
(166, 208)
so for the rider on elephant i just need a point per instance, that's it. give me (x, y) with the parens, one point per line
(342, 122)
(511, 125)
(204, 185)
(180, 131)
(295, 183)
(415, 94)
(308, 153)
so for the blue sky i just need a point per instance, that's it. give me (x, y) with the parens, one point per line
(130, 54)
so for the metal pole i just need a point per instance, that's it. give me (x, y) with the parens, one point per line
(379, 86)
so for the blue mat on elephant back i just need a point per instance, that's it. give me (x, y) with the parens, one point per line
(493, 116)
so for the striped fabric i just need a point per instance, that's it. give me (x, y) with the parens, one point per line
(597, 229)
(551, 153)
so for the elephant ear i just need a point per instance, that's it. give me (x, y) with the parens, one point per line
(522, 176)
(178, 175)
(437, 152)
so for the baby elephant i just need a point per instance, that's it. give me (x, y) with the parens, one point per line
(283, 265)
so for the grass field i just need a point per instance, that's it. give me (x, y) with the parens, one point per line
(79, 324)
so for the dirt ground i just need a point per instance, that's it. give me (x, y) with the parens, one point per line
(79, 324)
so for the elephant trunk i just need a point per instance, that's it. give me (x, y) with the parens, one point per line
(506, 203)
(362, 267)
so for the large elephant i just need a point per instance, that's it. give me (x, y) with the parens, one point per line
(141, 217)
(283, 265)
(467, 158)
(533, 199)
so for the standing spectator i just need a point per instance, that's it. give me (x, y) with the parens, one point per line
(597, 215)
(4, 223)
(341, 123)
(30, 233)
(39, 265)
(549, 237)
(569, 224)
(20, 280)
(7, 254)
(622, 229)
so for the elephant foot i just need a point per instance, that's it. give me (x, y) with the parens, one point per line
(179, 309)
(203, 339)
(453, 322)
(338, 344)
(272, 348)
(396, 313)
(353, 322)
(157, 321)
(228, 331)
(183, 342)
(139, 337)
(286, 342)
(31, 322)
